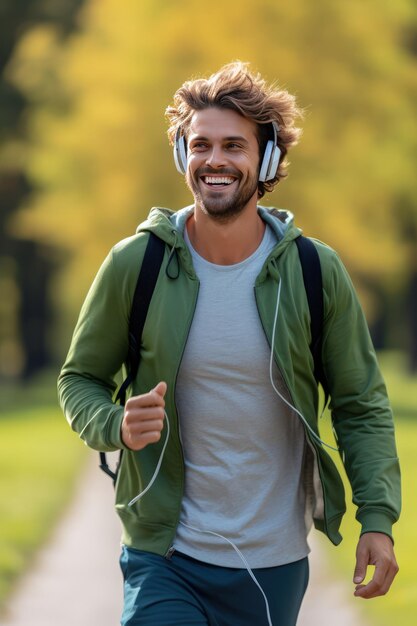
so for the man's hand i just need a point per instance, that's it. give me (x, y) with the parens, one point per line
(143, 418)
(374, 549)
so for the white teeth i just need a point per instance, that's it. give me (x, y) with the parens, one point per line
(218, 180)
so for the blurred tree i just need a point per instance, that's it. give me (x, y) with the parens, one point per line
(102, 163)
(34, 265)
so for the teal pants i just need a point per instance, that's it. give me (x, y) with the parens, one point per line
(181, 591)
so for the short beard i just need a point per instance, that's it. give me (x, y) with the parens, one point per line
(220, 209)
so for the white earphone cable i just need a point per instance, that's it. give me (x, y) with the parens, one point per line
(242, 557)
(271, 362)
(158, 466)
(210, 532)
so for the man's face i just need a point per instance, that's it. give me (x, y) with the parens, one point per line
(223, 162)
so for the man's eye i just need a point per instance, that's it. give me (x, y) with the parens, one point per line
(198, 147)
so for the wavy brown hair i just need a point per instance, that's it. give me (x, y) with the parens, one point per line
(235, 87)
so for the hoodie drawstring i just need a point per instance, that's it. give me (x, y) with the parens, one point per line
(173, 255)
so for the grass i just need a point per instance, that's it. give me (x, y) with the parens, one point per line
(39, 462)
(399, 606)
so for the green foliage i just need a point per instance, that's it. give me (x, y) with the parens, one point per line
(100, 153)
(39, 462)
(22, 353)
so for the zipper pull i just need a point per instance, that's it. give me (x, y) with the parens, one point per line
(169, 553)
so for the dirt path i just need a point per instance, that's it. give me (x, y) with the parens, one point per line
(76, 581)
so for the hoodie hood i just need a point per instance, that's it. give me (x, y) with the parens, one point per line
(169, 225)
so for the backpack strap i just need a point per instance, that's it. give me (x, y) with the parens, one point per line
(313, 284)
(148, 275)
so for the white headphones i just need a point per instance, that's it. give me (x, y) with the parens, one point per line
(271, 157)
(268, 167)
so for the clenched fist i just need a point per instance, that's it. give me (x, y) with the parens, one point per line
(143, 418)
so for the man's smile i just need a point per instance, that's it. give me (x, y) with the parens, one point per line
(218, 180)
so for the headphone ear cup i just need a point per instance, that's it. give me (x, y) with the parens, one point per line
(263, 172)
(180, 153)
(270, 162)
(274, 163)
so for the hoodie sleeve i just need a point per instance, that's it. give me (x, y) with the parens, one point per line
(98, 349)
(361, 413)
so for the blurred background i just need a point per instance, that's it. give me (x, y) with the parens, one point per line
(84, 156)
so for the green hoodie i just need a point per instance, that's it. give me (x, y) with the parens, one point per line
(361, 415)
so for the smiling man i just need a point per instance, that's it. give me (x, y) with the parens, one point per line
(223, 471)
(222, 173)
(223, 157)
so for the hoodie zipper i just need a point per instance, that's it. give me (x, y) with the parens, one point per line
(168, 554)
(308, 439)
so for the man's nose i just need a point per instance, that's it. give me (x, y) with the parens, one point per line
(215, 158)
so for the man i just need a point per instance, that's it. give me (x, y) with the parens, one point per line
(225, 400)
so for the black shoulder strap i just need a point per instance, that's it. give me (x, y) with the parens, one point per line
(145, 286)
(148, 275)
(313, 283)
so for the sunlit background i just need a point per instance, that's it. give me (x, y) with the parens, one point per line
(84, 156)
